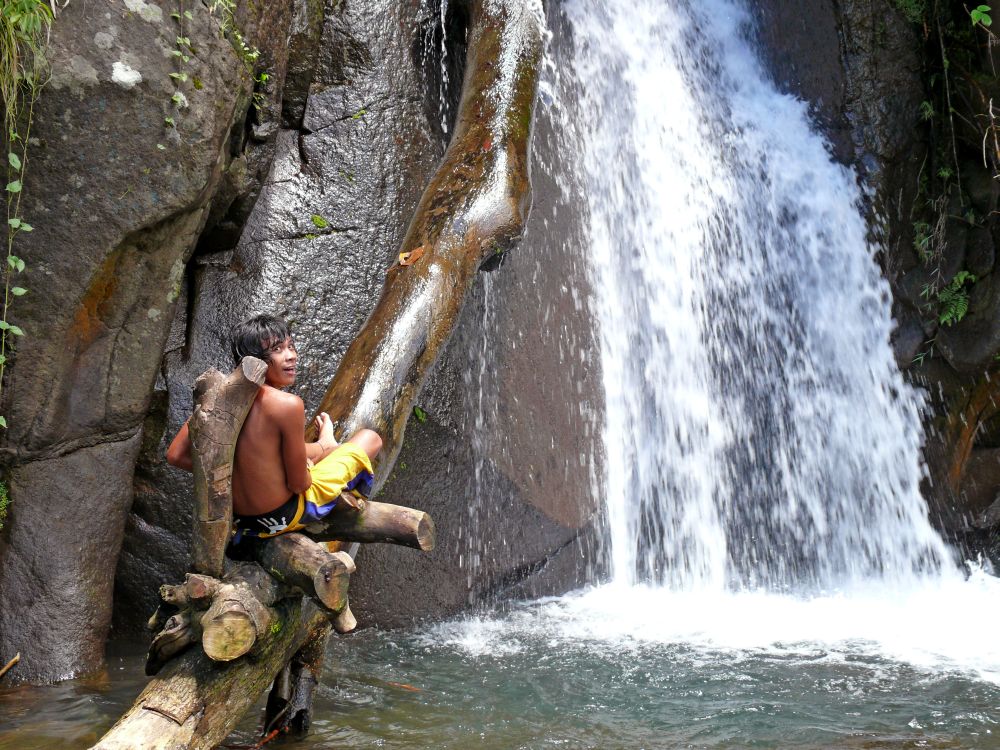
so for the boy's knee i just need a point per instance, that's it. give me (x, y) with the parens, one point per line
(369, 441)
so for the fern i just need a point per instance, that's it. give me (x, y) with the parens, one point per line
(953, 300)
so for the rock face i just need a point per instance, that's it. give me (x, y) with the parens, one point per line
(503, 455)
(118, 197)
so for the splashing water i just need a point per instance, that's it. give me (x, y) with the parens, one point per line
(759, 432)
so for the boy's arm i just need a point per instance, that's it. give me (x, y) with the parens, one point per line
(179, 452)
(291, 419)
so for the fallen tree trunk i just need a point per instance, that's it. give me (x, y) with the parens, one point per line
(194, 703)
(474, 208)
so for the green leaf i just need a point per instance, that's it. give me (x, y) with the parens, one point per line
(15, 222)
(188, 15)
(16, 331)
(18, 291)
(177, 98)
(19, 265)
(26, 227)
(319, 221)
(177, 53)
(179, 76)
(4, 325)
(3, 359)
(169, 121)
(420, 414)
(14, 160)
(161, 147)
(176, 16)
(12, 261)
(14, 187)
(3, 422)
(196, 81)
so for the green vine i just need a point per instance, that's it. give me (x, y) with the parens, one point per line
(24, 26)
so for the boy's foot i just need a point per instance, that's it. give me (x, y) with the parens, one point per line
(351, 500)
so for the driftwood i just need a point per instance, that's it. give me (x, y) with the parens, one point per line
(193, 703)
(221, 406)
(474, 208)
(377, 522)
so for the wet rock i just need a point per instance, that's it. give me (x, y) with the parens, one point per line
(907, 340)
(61, 540)
(972, 344)
(980, 254)
(118, 197)
(981, 488)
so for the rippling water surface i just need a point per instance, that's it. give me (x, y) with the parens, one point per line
(613, 667)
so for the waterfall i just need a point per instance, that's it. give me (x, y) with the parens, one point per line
(759, 433)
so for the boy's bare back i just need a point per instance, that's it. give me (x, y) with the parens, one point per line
(270, 441)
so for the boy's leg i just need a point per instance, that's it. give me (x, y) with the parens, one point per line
(367, 440)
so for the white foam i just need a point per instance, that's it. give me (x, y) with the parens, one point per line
(938, 627)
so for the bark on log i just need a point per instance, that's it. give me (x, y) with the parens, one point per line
(194, 703)
(289, 704)
(475, 206)
(220, 407)
(377, 522)
(180, 631)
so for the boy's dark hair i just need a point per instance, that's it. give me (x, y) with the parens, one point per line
(254, 337)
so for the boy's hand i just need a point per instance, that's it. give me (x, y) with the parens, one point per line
(324, 425)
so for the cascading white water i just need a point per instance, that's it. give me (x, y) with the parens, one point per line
(759, 431)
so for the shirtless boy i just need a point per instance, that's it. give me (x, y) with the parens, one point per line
(280, 482)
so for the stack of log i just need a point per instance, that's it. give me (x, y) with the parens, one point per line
(234, 628)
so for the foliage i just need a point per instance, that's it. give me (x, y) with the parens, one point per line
(24, 26)
(953, 299)
(981, 15)
(914, 10)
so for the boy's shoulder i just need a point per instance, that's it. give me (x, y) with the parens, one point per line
(274, 401)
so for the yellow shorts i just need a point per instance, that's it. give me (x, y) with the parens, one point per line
(345, 468)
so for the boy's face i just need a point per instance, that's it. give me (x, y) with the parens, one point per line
(281, 361)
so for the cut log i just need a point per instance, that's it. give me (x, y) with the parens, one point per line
(220, 408)
(241, 612)
(345, 622)
(299, 561)
(197, 591)
(376, 522)
(194, 702)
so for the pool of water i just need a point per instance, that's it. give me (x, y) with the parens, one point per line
(615, 667)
